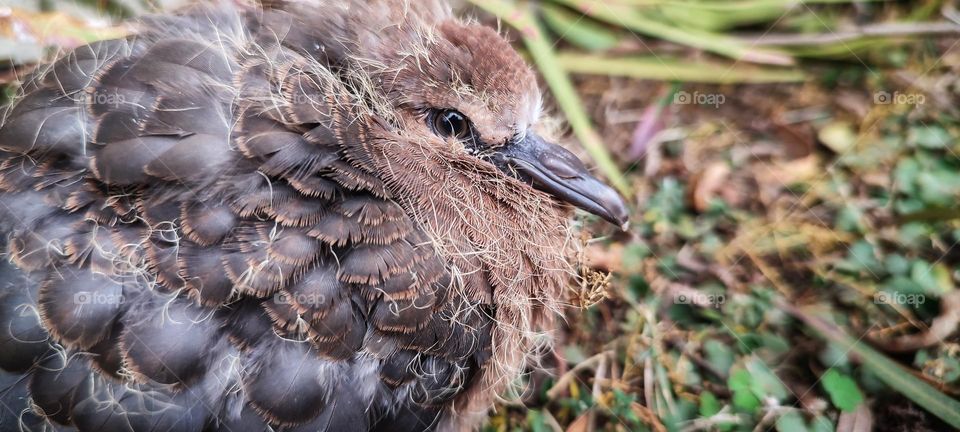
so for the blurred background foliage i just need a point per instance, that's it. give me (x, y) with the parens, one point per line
(794, 172)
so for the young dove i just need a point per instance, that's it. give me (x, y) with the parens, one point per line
(289, 216)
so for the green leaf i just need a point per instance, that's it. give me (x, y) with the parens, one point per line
(743, 398)
(896, 264)
(765, 383)
(849, 219)
(536, 421)
(931, 137)
(791, 421)
(939, 187)
(863, 255)
(902, 285)
(709, 405)
(622, 406)
(906, 174)
(914, 235)
(821, 424)
(935, 279)
(719, 354)
(684, 412)
(842, 389)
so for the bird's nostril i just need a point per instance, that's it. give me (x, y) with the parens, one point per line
(561, 166)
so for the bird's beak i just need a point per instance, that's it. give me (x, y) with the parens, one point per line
(553, 169)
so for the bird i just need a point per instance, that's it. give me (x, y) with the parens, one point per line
(301, 215)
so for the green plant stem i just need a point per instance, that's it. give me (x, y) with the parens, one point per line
(729, 5)
(633, 19)
(556, 77)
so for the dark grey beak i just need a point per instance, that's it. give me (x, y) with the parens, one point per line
(553, 169)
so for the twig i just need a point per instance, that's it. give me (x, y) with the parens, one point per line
(647, 416)
(597, 391)
(551, 421)
(713, 422)
(564, 380)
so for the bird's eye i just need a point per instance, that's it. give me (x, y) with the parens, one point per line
(450, 123)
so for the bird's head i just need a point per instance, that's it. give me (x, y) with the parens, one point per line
(462, 87)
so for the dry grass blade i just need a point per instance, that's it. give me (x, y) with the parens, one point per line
(667, 69)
